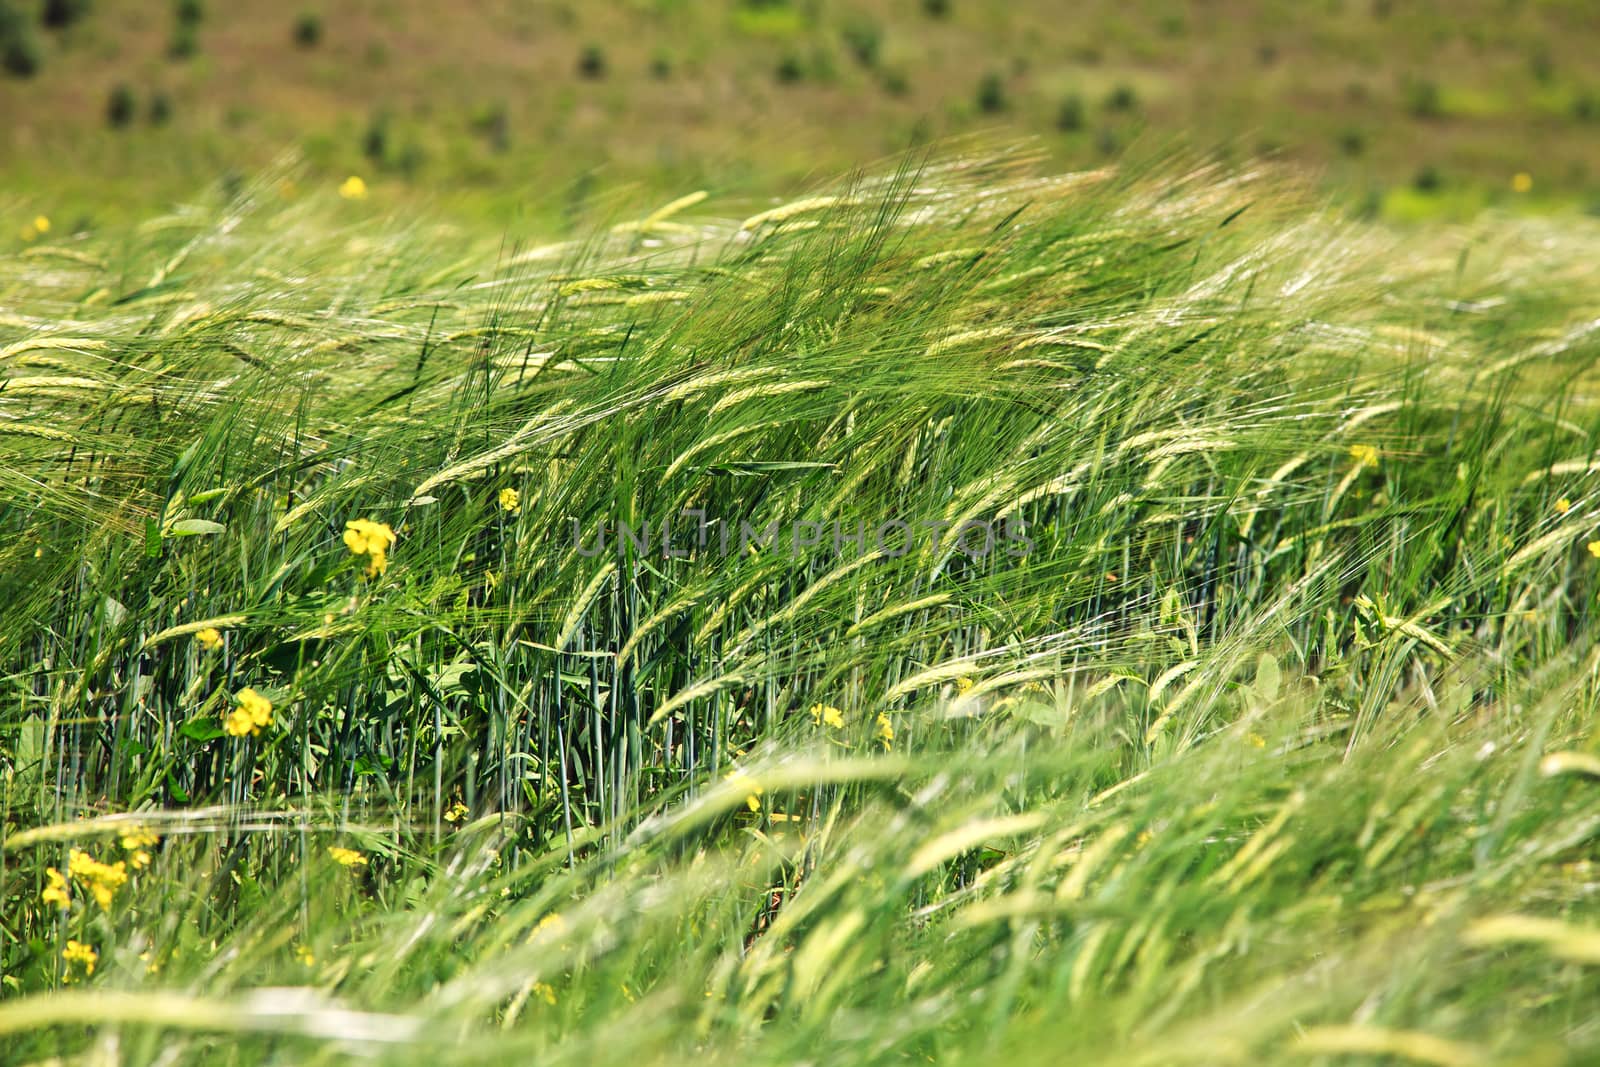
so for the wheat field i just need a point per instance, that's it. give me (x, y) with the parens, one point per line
(357, 707)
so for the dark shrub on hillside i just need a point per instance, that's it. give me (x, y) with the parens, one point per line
(120, 106)
(185, 41)
(936, 8)
(864, 39)
(790, 69)
(1070, 114)
(991, 98)
(160, 109)
(1122, 98)
(19, 49)
(189, 12)
(1428, 179)
(1422, 99)
(375, 142)
(19, 55)
(308, 30)
(59, 14)
(592, 62)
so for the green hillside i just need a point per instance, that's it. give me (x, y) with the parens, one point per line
(531, 109)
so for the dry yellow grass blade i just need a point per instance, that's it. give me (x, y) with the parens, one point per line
(1563, 940)
(1378, 1041)
(280, 1010)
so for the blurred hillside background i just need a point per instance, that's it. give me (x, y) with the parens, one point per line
(510, 108)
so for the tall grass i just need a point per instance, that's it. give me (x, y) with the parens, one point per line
(1240, 761)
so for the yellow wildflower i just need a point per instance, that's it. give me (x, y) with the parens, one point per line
(353, 188)
(371, 539)
(56, 892)
(963, 686)
(137, 841)
(827, 715)
(1521, 182)
(1594, 549)
(1255, 740)
(1364, 455)
(139, 838)
(455, 813)
(210, 637)
(510, 501)
(102, 879)
(41, 223)
(751, 788)
(78, 952)
(347, 857)
(1563, 506)
(544, 992)
(304, 955)
(253, 713)
(885, 730)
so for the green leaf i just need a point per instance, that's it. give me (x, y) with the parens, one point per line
(202, 728)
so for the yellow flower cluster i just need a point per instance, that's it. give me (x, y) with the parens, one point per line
(210, 638)
(455, 813)
(827, 715)
(885, 730)
(510, 501)
(253, 713)
(78, 952)
(101, 879)
(749, 786)
(56, 892)
(37, 228)
(370, 539)
(347, 857)
(353, 188)
(1364, 455)
(138, 841)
